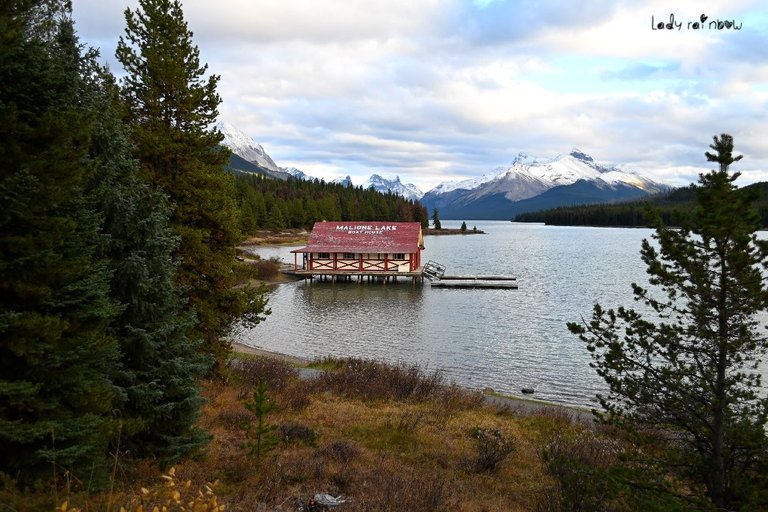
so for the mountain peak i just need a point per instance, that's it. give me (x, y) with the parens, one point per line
(395, 186)
(580, 155)
(521, 158)
(535, 183)
(245, 147)
(345, 182)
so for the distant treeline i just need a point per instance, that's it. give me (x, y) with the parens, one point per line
(267, 203)
(672, 207)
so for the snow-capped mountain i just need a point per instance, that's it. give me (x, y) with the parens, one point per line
(297, 174)
(245, 147)
(406, 190)
(468, 184)
(346, 181)
(529, 184)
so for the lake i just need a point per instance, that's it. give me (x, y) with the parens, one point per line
(502, 339)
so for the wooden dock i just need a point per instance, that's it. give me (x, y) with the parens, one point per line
(498, 282)
(479, 277)
(435, 272)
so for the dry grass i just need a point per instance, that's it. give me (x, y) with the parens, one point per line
(287, 237)
(410, 446)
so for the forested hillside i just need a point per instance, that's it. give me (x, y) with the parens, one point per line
(672, 206)
(276, 204)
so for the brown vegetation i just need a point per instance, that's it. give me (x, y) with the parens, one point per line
(386, 437)
(287, 237)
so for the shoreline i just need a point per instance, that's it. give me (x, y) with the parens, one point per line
(519, 405)
(247, 349)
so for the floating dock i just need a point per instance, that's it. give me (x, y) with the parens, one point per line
(435, 272)
(479, 281)
(480, 277)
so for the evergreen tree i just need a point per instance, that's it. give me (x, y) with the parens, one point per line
(436, 219)
(692, 374)
(463, 227)
(261, 435)
(170, 106)
(56, 357)
(159, 394)
(275, 219)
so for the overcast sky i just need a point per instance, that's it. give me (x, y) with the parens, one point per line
(432, 90)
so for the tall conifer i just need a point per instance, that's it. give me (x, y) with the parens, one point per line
(56, 356)
(170, 106)
(159, 396)
(689, 371)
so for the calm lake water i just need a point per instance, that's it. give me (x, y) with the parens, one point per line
(503, 339)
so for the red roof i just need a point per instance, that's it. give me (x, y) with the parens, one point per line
(365, 237)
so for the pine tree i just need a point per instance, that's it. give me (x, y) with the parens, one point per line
(159, 395)
(692, 374)
(275, 219)
(170, 106)
(56, 356)
(262, 437)
(436, 219)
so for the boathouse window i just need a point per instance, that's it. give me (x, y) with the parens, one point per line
(399, 256)
(323, 255)
(349, 256)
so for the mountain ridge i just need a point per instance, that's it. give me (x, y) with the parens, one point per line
(527, 184)
(513, 190)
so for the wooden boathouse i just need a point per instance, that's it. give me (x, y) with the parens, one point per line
(381, 251)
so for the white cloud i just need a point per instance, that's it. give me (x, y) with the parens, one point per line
(431, 90)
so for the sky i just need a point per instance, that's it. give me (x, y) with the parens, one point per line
(437, 90)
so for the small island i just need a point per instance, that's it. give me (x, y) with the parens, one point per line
(453, 231)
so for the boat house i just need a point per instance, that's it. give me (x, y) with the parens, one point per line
(383, 250)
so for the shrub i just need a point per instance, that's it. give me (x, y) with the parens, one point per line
(606, 470)
(372, 380)
(293, 432)
(342, 451)
(391, 491)
(295, 396)
(235, 420)
(267, 269)
(492, 448)
(581, 464)
(409, 420)
(276, 374)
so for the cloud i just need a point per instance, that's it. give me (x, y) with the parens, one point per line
(643, 71)
(431, 90)
(311, 21)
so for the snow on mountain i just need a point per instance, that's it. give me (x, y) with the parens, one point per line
(468, 184)
(346, 181)
(532, 183)
(381, 184)
(527, 177)
(245, 147)
(296, 173)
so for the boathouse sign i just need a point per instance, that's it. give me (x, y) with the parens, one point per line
(366, 229)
